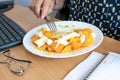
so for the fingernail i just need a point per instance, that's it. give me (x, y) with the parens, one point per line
(42, 17)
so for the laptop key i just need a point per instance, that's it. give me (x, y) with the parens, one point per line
(11, 30)
(7, 33)
(1, 42)
(14, 26)
(5, 39)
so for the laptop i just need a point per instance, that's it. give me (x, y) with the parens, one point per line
(11, 34)
(6, 5)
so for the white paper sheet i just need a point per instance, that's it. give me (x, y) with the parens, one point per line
(109, 69)
(83, 69)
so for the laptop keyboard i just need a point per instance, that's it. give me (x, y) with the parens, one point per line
(11, 34)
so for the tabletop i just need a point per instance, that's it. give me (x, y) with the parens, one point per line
(45, 68)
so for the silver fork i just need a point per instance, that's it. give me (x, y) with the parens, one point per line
(51, 24)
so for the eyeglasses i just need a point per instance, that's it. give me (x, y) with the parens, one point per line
(17, 66)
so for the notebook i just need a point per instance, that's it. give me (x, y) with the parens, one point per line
(97, 67)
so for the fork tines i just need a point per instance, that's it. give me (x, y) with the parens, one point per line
(51, 25)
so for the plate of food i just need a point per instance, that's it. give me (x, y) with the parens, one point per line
(71, 39)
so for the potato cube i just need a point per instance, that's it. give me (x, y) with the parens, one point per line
(88, 41)
(49, 48)
(76, 45)
(48, 34)
(42, 47)
(34, 38)
(59, 48)
(66, 49)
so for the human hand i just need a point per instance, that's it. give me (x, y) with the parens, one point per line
(42, 8)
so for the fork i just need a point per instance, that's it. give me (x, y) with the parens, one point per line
(51, 24)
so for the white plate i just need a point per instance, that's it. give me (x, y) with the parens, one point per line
(97, 40)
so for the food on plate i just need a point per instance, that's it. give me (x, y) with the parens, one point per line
(47, 41)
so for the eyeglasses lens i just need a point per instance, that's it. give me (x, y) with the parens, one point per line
(15, 67)
(3, 58)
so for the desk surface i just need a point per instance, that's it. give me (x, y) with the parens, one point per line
(45, 68)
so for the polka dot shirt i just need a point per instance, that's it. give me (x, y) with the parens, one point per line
(105, 14)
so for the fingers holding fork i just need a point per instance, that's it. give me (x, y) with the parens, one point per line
(42, 8)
